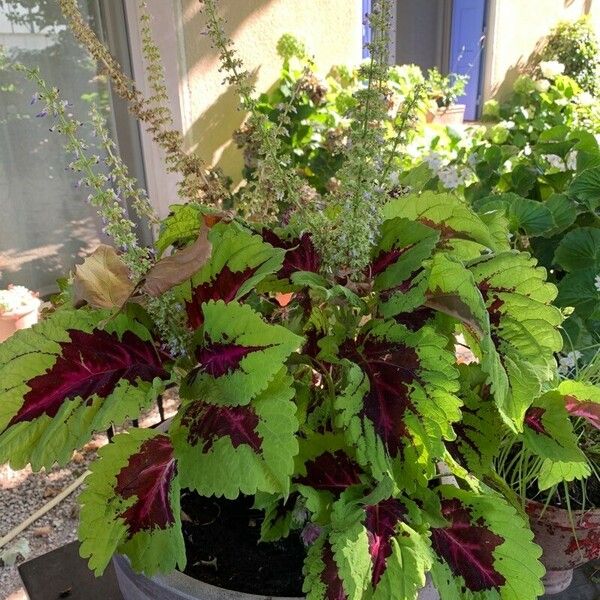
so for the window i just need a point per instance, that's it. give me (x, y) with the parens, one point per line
(46, 224)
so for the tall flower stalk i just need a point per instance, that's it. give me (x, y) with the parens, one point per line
(103, 195)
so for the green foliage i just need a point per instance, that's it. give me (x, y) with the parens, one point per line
(315, 354)
(575, 45)
(445, 89)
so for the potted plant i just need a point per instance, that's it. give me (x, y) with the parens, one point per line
(18, 310)
(324, 426)
(443, 91)
(553, 467)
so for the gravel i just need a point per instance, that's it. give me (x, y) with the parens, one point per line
(23, 492)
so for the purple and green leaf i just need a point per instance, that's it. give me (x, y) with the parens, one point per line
(66, 378)
(131, 505)
(400, 403)
(238, 354)
(485, 547)
(256, 441)
(238, 262)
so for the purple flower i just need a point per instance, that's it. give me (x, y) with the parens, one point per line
(34, 98)
(42, 113)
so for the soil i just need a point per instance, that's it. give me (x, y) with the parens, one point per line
(223, 548)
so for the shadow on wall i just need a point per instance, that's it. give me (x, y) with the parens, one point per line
(212, 131)
(214, 128)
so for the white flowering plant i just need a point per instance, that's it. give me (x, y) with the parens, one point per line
(16, 298)
(537, 165)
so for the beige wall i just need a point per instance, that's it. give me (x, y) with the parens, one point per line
(515, 29)
(330, 29)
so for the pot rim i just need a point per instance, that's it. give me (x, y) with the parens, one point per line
(185, 584)
(581, 519)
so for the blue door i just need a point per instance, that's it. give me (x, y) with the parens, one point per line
(466, 48)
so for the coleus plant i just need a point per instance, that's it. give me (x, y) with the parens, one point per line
(337, 402)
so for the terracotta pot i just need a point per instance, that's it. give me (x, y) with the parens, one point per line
(567, 541)
(177, 586)
(451, 115)
(21, 318)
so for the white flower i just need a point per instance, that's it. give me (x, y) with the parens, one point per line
(568, 362)
(15, 297)
(434, 161)
(585, 99)
(597, 283)
(555, 161)
(507, 124)
(393, 178)
(572, 160)
(551, 69)
(451, 177)
(542, 85)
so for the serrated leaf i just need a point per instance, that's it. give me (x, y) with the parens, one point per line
(480, 431)
(378, 553)
(548, 431)
(238, 355)
(579, 249)
(402, 248)
(64, 378)
(256, 441)
(445, 213)
(578, 290)
(181, 226)
(102, 281)
(321, 577)
(486, 549)
(523, 323)
(239, 261)
(582, 400)
(399, 402)
(131, 505)
(586, 188)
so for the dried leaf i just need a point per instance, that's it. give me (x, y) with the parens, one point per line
(43, 531)
(102, 281)
(179, 267)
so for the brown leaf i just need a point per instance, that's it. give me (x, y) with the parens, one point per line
(43, 531)
(102, 281)
(50, 491)
(179, 267)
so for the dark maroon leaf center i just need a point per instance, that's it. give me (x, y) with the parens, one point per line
(207, 423)
(468, 547)
(386, 258)
(533, 419)
(148, 476)
(334, 588)
(224, 286)
(391, 369)
(301, 254)
(90, 364)
(331, 472)
(381, 522)
(219, 359)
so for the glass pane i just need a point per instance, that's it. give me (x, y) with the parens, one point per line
(45, 221)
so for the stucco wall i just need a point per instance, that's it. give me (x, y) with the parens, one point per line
(330, 29)
(515, 29)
